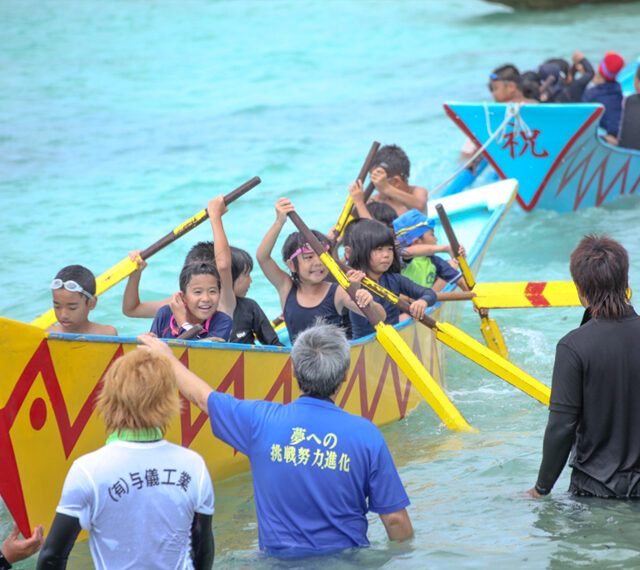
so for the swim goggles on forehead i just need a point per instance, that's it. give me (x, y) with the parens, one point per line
(70, 286)
(306, 248)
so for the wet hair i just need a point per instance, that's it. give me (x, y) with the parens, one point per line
(563, 64)
(138, 392)
(508, 72)
(241, 261)
(530, 85)
(197, 268)
(81, 275)
(363, 238)
(294, 242)
(382, 212)
(394, 160)
(202, 251)
(321, 357)
(600, 269)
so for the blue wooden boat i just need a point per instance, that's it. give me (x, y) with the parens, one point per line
(554, 151)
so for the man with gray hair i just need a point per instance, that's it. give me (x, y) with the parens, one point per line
(317, 470)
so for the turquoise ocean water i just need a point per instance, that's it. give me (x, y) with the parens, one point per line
(120, 119)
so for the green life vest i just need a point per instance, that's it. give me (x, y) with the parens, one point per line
(421, 271)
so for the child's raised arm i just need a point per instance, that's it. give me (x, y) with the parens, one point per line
(357, 195)
(131, 304)
(277, 277)
(222, 254)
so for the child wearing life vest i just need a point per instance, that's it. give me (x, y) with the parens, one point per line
(370, 248)
(418, 245)
(305, 295)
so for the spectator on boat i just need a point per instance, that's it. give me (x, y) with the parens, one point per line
(305, 295)
(317, 470)
(146, 503)
(531, 85)
(595, 393)
(204, 288)
(390, 176)
(505, 84)
(15, 549)
(372, 250)
(578, 77)
(629, 136)
(418, 246)
(552, 82)
(607, 90)
(74, 296)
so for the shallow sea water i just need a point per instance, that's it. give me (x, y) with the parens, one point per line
(119, 120)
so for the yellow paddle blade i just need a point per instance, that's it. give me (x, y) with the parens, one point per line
(343, 219)
(466, 272)
(408, 362)
(471, 348)
(108, 279)
(526, 294)
(493, 337)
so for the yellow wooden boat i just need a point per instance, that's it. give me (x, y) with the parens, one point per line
(50, 381)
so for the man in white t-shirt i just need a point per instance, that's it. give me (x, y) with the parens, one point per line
(146, 503)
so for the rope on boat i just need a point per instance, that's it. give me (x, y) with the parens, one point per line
(512, 111)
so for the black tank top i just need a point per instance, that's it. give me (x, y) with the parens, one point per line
(300, 318)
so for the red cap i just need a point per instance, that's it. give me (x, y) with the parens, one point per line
(611, 65)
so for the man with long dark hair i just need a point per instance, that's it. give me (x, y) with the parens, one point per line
(595, 394)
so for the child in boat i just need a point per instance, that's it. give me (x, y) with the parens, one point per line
(203, 289)
(305, 295)
(608, 91)
(372, 250)
(418, 246)
(249, 321)
(390, 176)
(505, 84)
(380, 211)
(74, 295)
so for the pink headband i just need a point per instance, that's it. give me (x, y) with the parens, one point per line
(306, 248)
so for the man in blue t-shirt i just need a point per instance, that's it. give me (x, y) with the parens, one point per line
(317, 470)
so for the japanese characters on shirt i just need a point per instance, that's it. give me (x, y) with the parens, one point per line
(152, 477)
(311, 450)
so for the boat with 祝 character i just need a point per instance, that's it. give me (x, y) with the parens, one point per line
(50, 381)
(554, 151)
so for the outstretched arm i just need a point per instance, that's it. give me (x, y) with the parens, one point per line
(191, 386)
(13, 549)
(398, 525)
(357, 195)
(60, 541)
(276, 276)
(222, 254)
(131, 304)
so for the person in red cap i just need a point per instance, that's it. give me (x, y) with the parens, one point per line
(607, 90)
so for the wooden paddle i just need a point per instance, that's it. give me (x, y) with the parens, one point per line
(392, 342)
(489, 328)
(461, 342)
(127, 266)
(348, 210)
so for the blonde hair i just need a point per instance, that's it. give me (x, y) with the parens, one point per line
(138, 392)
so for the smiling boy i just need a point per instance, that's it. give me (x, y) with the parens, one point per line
(74, 295)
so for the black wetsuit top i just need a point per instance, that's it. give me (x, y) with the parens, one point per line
(572, 93)
(250, 322)
(594, 410)
(629, 136)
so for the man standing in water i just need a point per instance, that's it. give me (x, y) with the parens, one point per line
(595, 394)
(316, 469)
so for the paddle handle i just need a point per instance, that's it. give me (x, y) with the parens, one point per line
(197, 219)
(193, 331)
(332, 265)
(456, 296)
(455, 246)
